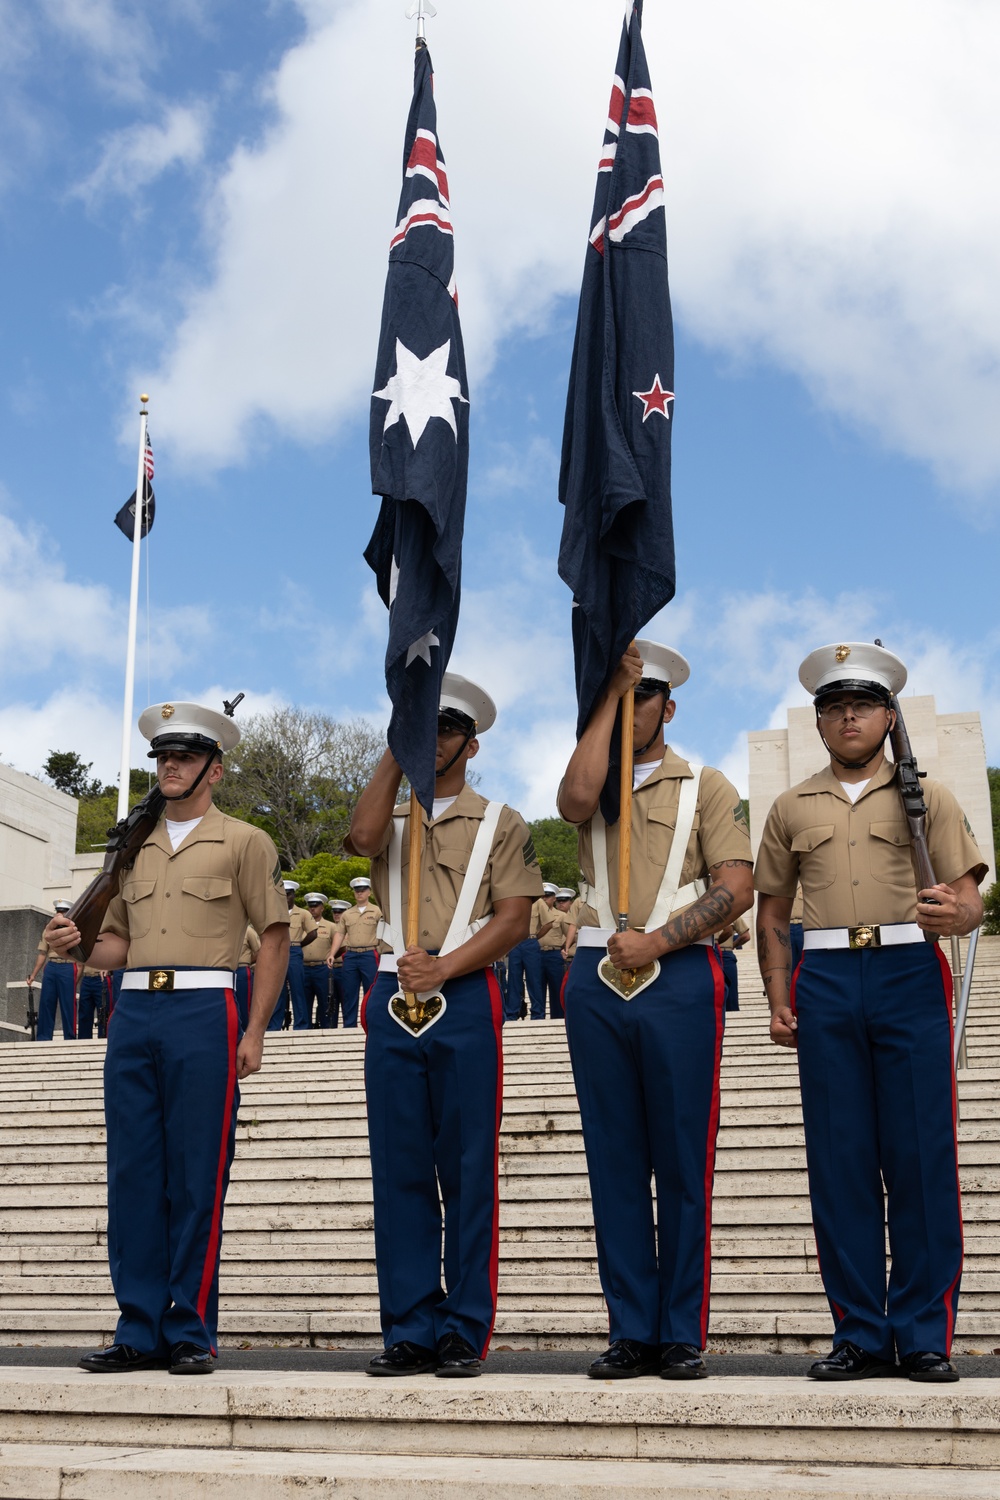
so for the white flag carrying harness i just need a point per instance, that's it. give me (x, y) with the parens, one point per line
(669, 898)
(461, 927)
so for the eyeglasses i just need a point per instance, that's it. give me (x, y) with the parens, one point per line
(858, 708)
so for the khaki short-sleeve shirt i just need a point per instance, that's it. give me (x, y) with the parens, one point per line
(300, 924)
(556, 935)
(854, 861)
(52, 955)
(191, 906)
(720, 832)
(541, 913)
(360, 928)
(511, 869)
(318, 950)
(250, 949)
(574, 921)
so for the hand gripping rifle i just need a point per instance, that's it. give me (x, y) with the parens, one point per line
(908, 779)
(124, 842)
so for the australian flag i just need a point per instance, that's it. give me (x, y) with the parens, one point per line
(420, 445)
(617, 549)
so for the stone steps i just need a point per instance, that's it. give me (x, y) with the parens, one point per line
(70, 1436)
(298, 1256)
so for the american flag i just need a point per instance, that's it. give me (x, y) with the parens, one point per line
(148, 458)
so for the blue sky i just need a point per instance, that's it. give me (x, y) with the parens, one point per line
(196, 200)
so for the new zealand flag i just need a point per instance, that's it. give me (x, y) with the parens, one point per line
(617, 549)
(420, 445)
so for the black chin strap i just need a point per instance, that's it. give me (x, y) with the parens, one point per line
(643, 748)
(444, 769)
(854, 765)
(182, 796)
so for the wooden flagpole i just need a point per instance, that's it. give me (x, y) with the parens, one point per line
(413, 882)
(625, 808)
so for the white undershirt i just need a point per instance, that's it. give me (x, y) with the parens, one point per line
(642, 771)
(442, 804)
(179, 831)
(361, 908)
(855, 788)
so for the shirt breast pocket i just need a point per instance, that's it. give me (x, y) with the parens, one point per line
(817, 856)
(205, 905)
(661, 824)
(138, 898)
(889, 853)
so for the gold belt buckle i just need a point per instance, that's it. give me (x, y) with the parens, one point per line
(866, 936)
(161, 979)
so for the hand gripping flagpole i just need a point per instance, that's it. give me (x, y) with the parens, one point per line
(422, 10)
(133, 611)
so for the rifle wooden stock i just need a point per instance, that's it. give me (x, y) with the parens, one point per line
(914, 806)
(124, 842)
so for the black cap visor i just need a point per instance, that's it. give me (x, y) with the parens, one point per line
(648, 687)
(194, 743)
(853, 685)
(450, 719)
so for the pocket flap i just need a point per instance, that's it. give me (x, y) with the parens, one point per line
(453, 859)
(892, 832)
(811, 838)
(208, 887)
(665, 815)
(138, 890)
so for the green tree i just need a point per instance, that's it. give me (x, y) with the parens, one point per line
(991, 910)
(330, 874)
(556, 847)
(299, 775)
(993, 776)
(69, 774)
(98, 814)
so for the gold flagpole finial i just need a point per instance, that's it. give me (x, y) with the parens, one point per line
(144, 400)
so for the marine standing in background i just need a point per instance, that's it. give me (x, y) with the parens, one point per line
(175, 1053)
(356, 940)
(524, 966)
(433, 1060)
(869, 1009)
(335, 967)
(58, 987)
(301, 932)
(551, 941)
(244, 974)
(93, 1001)
(317, 971)
(647, 1067)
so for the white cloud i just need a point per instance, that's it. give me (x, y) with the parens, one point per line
(829, 205)
(135, 156)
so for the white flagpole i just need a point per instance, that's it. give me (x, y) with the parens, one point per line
(133, 612)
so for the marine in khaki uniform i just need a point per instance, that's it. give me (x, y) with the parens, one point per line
(244, 974)
(356, 943)
(94, 1001)
(728, 941)
(647, 1067)
(552, 941)
(524, 963)
(335, 965)
(434, 1074)
(869, 1008)
(301, 933)
(175, 1049)
(58, 987)
(317, 968)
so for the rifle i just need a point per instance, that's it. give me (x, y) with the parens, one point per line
(124, 842)
(908, 779)
(31, 1018)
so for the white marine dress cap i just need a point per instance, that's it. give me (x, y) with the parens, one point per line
(565, 895)
(548, 889)
(470, 699)
(290, 885)
(314, 898)
(663, 664)
(61, 905)
(339, 906)
(852, 664)
(187, 726)
(361, 882)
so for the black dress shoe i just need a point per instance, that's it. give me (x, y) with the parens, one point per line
(403, 1358)
(848, 1361)
(928, 1366)
(121, 1359)
(190, 1359)
(624, 1360)
(681, 1362)
(456, 1357)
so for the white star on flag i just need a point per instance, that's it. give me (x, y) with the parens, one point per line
(421, 389)
(422, 648)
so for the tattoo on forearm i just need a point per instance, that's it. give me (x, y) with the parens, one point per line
(781, 933)
(710, 912)
(763, 950)
(734, 864)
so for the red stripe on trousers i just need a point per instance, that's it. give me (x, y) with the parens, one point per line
(949, 990)
(496, 1006)
(211, 1254)
(713, 1130)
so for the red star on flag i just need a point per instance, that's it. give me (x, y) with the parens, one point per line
(655, 399)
